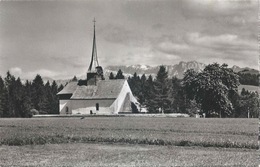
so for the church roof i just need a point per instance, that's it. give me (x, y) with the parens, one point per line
(69, 88)
(105, 89)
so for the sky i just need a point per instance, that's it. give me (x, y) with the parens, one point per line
(54, 38)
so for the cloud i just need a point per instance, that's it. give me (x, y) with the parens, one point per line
(55, 38)
(222, 48)
(121, 35)
(16, 71)
(207, 8)
(172, 48)
(221, 42)
(157, 26)
(206, 40)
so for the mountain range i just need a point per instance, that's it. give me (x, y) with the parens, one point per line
(176, 70)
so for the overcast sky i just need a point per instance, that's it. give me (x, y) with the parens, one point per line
(54, 38)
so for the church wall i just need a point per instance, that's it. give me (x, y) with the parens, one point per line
(123, 102)
(65, 107)
(81, 104)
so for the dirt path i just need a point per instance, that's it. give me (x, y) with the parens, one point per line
(82, 154)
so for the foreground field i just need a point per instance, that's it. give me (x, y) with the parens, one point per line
(230, 133)
(124, 155)
(128, 141)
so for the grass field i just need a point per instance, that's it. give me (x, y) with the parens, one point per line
(124, 155)
(233, 137)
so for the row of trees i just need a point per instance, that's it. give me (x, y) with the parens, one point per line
(249, 79)
(214, 91)
(20, 100)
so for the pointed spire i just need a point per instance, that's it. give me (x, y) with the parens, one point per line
(94, 60)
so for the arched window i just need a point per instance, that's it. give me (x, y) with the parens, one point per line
(67, 110)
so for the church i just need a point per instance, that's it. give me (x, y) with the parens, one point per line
(95, 95)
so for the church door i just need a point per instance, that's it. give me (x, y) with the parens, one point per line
(97, 106)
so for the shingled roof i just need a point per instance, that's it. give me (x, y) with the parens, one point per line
(69, 88)
(105, 89)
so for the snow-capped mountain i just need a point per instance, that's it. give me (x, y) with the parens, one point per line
(173, 70)
(177, 70)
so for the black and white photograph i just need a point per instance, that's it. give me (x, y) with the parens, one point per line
(126, 83)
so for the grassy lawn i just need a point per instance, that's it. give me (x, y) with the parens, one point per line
(130, 140)
(236, 133)
(85, 154)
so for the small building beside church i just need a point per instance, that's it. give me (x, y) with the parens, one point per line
(95, 95)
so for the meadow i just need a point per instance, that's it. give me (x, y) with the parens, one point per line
(227, 133)
(128, 141)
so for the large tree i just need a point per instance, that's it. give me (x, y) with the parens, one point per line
(38, 94)
(160, 101)
(10, 83)
(55, 99)
(213, 89)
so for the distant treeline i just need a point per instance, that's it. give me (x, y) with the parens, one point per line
(212, 91)
(23, 100)
(249, 79)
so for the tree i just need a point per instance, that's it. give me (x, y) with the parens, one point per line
(111, 76)
(212, 89)
(161, 100)
(3, 98)
(135, 84)
(38, 93)
(247, 105)
(18, 98)
(74, 78)
(48, 99)
(60, 88)
(248, 79)
(10, 88)
(149, 89)
(177, 96)
(55, 100)
(120, 75)
(141, 94)
(27, 104)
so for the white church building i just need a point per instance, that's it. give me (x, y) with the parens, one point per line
(95, 95)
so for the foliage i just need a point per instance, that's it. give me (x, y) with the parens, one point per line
(17, 99)
(179, 102)
(247, 105)
(212, 89)
(134, 108)
(74, 78)
(111, 76)
(3, 100)
(120, 75)
(161, 95)
(248, 79)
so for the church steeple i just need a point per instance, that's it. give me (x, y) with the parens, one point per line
(94, 60)
(95, 72)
